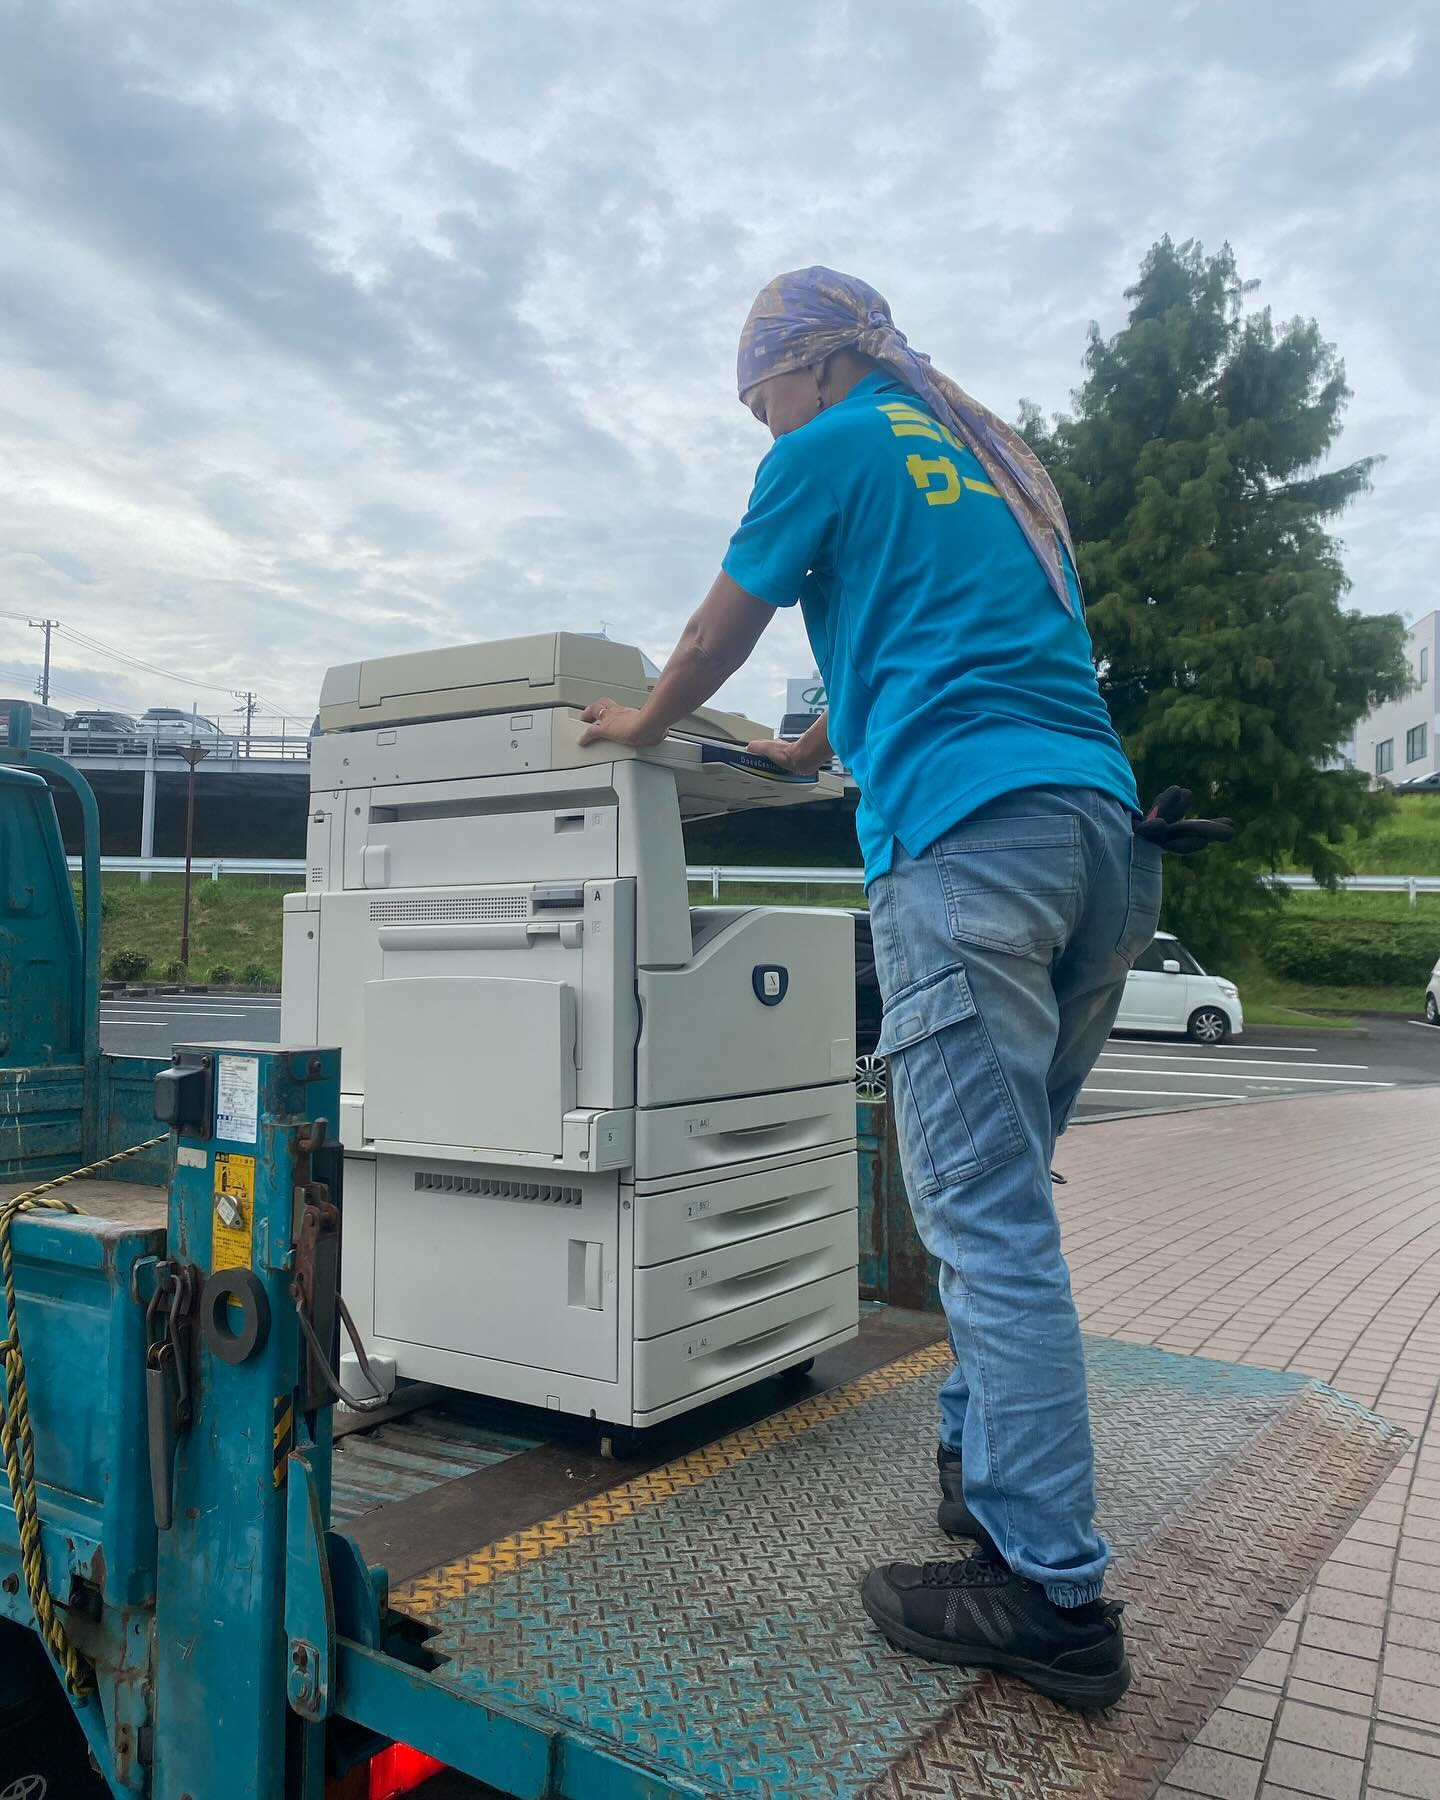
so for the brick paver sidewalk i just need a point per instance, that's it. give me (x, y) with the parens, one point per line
(1300, 1235)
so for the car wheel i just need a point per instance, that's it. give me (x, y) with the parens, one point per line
(1209, 1025)
(1432, 1009)
(872, 1078)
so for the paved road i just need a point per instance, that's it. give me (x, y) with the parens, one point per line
(1143, 1074)
(151, 1027)
(1134, 1074)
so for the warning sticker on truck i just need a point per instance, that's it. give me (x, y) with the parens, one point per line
(237, 1099)
(233, 1237)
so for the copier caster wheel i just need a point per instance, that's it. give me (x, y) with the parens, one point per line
(618, 1443)
(799, 1372)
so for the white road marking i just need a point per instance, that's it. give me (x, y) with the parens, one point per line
(1264, 1080)
(1263, 1062)
(1142, 1044)
(1424, 1024)
(195, 1005)
(161, 1018)
(1162, 1093)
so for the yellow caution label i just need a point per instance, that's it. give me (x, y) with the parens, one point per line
(233, 1239)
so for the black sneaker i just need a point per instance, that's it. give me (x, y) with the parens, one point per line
(953, 1515)
(981, 1615)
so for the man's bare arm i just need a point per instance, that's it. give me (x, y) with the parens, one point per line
(722, 632)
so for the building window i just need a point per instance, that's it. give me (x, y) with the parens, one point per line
(1415, 743)
(1424, 664)
(1385, 757)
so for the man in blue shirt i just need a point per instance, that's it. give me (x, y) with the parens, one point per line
(1008, 896)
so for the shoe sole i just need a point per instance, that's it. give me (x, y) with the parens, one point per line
(1081, 1693)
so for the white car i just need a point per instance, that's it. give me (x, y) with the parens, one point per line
(172, 729)
(1432, 997)
(1167, 990)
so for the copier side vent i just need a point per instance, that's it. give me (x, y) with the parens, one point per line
(448, 909)
(491, 1187)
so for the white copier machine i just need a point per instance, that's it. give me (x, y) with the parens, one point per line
(600, 1145)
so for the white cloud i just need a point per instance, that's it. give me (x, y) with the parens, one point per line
(334, 330)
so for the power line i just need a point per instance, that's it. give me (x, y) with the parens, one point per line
(139, 662)
(126, 659)
(24, 678)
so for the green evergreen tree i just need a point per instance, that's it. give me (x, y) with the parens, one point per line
(1191, 472)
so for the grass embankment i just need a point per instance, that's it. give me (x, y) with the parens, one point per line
(1272, 999)
(1408, 843)
(234, 927)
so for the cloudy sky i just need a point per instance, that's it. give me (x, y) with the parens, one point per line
(330, 330)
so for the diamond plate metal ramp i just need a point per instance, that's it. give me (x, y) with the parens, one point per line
(707, 1613)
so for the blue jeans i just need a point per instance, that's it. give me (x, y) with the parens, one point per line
(1002, 953)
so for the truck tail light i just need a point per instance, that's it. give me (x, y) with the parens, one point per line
(400, 1770)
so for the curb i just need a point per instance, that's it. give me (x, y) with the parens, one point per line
(129, 990)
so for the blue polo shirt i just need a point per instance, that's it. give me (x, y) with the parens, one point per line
(954, 674)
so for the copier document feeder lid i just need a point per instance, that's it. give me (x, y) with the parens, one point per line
(557, 668)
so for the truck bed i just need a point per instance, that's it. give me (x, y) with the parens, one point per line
(698, 1603)
(127, 1202)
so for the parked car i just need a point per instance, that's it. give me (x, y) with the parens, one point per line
(171, 728)
(1168, 991)
(46, 722)
(869, 1069)
(1432, 997)
(96, 729)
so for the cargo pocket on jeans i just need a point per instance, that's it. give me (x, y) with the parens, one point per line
(954, 1113)
(1142, 911)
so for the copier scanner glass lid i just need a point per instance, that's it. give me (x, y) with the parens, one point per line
(559, 668)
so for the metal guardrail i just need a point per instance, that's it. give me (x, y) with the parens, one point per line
(82, 746)
(738, 876)
(212, 866)
(718, 875)
(1413, 885)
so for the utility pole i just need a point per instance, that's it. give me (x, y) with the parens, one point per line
(192, 752)
(47, 626)
(248, 704)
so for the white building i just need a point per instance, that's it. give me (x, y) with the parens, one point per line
(1396, 743)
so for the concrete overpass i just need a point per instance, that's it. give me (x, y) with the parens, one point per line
(245, 805)
(255, 806)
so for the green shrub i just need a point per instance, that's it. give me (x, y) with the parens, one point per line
(222, 975)
(1352, 952)
(256, 975)
(175, 971)
(126, 965)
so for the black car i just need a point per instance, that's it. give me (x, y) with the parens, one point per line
(96, 728)
(869, 1069)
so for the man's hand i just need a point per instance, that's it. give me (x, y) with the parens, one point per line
(794, 758)
(806, 756)
(609, 722)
